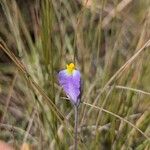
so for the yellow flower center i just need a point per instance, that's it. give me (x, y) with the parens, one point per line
(70, 68)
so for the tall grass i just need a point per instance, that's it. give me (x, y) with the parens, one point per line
(109, 41)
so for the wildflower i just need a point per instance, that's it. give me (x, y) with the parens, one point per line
(70, 80)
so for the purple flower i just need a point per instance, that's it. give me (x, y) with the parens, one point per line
(70, 80)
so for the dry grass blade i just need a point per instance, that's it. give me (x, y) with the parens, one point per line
(29, 126)
(31, 82)
(132, 89)
(117, 116)
(118, 73)
(113, 12)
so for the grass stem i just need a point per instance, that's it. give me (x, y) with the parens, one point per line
(76, 127)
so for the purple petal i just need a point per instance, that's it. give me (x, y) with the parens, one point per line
(71, 84)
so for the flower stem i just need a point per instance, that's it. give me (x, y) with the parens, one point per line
(76, 127)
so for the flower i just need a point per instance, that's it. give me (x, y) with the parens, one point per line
(70, 80)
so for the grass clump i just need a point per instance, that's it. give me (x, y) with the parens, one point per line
(109, 41)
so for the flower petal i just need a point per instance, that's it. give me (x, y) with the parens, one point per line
(71, 84)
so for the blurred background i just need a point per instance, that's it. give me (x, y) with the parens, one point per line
(109, 41)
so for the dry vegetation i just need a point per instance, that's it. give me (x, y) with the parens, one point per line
(108, 40)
